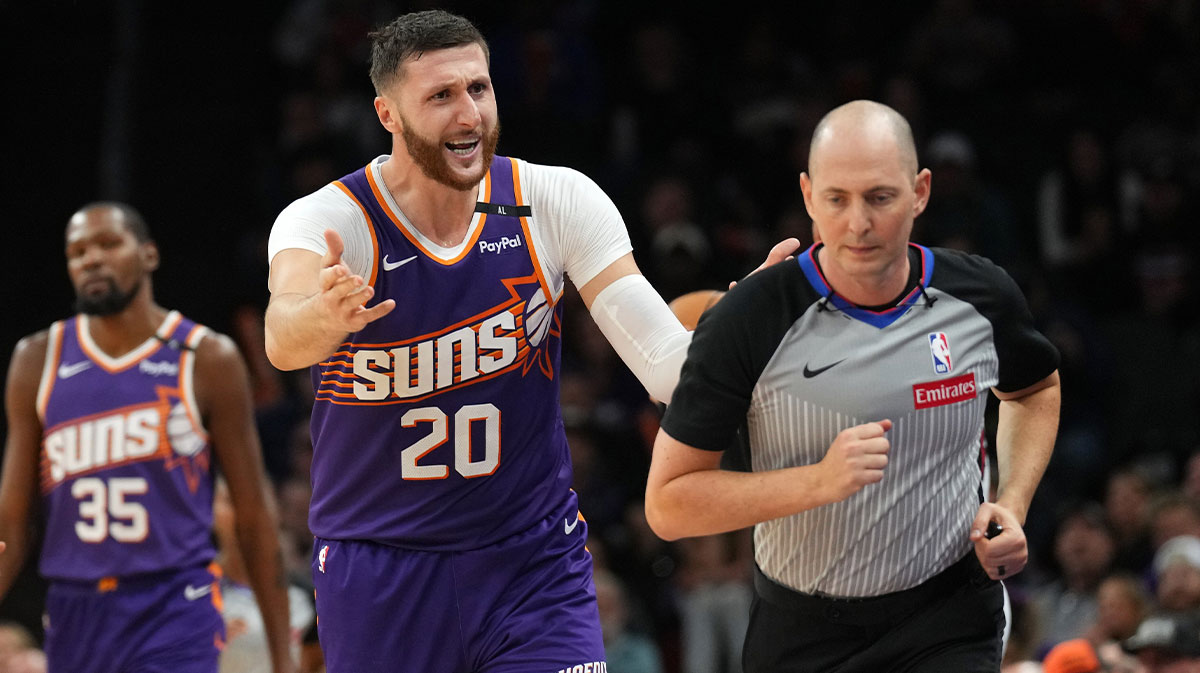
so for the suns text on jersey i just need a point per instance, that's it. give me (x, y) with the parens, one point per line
(437, 363)
(127, 435)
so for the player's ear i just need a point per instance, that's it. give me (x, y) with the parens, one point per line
(385, 109)
(150, 258)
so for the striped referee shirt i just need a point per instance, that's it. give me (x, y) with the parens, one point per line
(794, 364)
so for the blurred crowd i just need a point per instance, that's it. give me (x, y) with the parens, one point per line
(1064, 141)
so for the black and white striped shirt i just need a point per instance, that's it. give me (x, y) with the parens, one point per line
(794, 364)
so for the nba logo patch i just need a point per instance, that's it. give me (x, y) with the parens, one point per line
(321, 558)
(939, 348)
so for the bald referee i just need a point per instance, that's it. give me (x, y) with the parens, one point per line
(860, 371)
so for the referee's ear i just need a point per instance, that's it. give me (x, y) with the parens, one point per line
(922, 186)
(806, 190)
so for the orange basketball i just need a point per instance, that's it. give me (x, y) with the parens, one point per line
(688, 307)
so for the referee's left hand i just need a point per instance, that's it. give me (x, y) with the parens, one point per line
(1006, 554)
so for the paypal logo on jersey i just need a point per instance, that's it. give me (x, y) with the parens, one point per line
(939, 347)
(159, 368)
(502, 245)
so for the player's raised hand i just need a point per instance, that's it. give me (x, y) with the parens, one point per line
(1000, 542)
(785, 249)
(856, 458)
(343, 293)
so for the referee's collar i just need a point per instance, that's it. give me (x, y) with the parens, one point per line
(877, 316)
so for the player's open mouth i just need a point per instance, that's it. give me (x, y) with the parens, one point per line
(463, 149)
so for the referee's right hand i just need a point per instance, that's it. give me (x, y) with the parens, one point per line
(856, 458)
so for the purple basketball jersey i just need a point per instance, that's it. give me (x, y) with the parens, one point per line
(124, 463)
(438, 426)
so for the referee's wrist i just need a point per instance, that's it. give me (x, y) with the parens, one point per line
(1018, 510)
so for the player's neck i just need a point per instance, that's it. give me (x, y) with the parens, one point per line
(441, 213)
(120, 333)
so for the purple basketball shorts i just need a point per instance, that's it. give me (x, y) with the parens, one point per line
(168, 622)
(523, 605)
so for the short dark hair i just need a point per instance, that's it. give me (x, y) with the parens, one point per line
(414, 34)
(132, 218)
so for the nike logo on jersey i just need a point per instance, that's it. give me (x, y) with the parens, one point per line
(809, 373)
(388, 266)
(67, 371)
(192, 593)
(569, 525)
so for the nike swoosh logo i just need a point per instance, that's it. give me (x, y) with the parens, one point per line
(809, 373)
(569, 526)
(67, 371)
(192, 593)
(388, 266)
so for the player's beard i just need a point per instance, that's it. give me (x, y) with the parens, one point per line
(111, 302)
(428, 157)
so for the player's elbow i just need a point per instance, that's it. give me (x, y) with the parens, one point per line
(278, 356)
(281, 357)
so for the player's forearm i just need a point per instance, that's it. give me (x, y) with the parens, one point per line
(296, 334)
(649, 338)
(15, 538)
(258, 540)
(708, 502)
(1024, 441)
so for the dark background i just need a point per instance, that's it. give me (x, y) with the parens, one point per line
(695, 118)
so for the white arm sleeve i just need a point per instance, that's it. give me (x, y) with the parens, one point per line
(648, 337)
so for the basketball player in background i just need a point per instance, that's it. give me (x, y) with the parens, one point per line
(117, 418)
(423, 291)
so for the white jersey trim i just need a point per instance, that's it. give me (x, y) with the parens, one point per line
(113, 365)
(53, 353)
(187, 379)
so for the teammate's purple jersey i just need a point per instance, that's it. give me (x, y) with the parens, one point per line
(438, 425)
(125, 471)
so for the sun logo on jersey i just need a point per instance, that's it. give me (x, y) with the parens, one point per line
(181, 433)
(540, 318)
(537, 318)
(183, 443)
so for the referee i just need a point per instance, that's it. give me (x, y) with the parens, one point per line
(859, 371)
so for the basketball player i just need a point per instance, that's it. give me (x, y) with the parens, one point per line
(423, 290)
(859, 371)
(116, 417)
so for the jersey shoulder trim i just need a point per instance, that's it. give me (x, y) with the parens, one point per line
(53, 355)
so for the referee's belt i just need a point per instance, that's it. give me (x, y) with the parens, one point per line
(876, 609)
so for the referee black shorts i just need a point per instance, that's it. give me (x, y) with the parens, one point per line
(954, 622)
